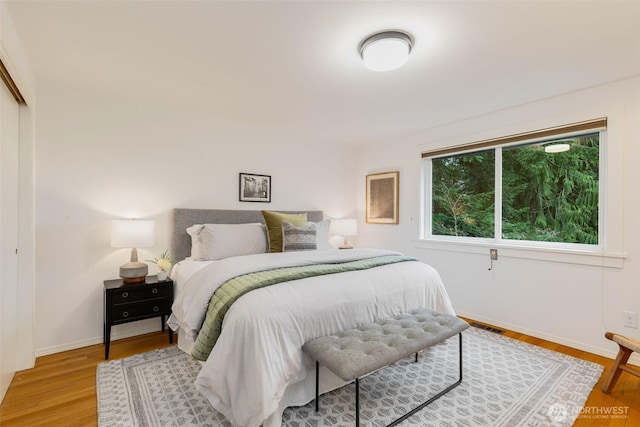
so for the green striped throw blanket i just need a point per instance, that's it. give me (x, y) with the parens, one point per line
(233, 289)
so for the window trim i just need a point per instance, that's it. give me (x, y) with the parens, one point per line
(598, 124)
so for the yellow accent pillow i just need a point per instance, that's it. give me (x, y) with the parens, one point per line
(274, 226)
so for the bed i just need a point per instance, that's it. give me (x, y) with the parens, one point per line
(256, 367)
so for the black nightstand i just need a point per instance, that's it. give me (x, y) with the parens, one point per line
(124, 303)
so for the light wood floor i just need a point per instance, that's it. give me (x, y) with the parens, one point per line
(61, 389)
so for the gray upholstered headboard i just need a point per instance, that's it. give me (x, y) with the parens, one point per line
(185, 218)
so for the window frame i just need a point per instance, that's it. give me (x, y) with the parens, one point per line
(426, 227)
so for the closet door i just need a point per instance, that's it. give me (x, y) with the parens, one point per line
(9, 161)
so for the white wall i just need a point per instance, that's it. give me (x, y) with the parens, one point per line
(102, 156)
(553, 299)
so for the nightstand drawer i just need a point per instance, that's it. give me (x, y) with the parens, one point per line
(139, 293)
(142, 309)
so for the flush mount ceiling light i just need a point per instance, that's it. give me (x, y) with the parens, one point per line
(386, 51)
(557, 148)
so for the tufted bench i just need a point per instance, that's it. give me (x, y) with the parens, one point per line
(356, 352)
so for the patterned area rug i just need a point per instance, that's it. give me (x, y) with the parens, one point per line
(505, 383)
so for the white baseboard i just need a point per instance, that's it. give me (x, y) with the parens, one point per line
(117, 332)
(600, 351)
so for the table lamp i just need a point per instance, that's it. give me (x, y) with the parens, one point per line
(344, 227)
(133, 233)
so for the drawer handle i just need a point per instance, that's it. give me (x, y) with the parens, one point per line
(154, 290)
(125, 294)
(156, 308)
(125, 314)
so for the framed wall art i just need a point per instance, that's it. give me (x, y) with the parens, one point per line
(255, 188)
(383, 198)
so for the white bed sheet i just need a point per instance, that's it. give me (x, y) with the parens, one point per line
(180, 274)
(183, 270)
(257, 367)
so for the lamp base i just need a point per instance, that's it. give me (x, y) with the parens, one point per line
(345, 244)
(134, 272)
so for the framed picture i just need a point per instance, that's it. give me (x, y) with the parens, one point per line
(255, 188)
(383, 198)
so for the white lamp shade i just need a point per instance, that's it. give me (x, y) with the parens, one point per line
(344, 227)
(132, 233)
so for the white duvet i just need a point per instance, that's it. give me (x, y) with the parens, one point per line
(257, 367)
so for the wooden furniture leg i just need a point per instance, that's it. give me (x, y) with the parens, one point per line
(620, 364)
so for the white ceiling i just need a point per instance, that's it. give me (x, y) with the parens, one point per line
(294, 66)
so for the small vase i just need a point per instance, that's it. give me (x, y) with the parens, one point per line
(162, 275)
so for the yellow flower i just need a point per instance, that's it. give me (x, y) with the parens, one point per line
(164, 264)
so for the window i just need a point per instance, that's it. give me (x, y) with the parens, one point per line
(552, 197)
(463, 189)
(519, 191)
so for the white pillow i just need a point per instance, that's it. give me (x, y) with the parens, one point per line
(322, 235)
(218, 241)
(196, 246)
(240, 239)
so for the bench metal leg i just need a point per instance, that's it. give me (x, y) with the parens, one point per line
(357, 402)
(317, 383)
(413, 411)
(440, 394)
(419, 408)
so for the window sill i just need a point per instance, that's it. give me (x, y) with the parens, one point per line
(600, 259)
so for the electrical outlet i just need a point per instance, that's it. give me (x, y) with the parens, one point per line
(629, 319)
(493, 253)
